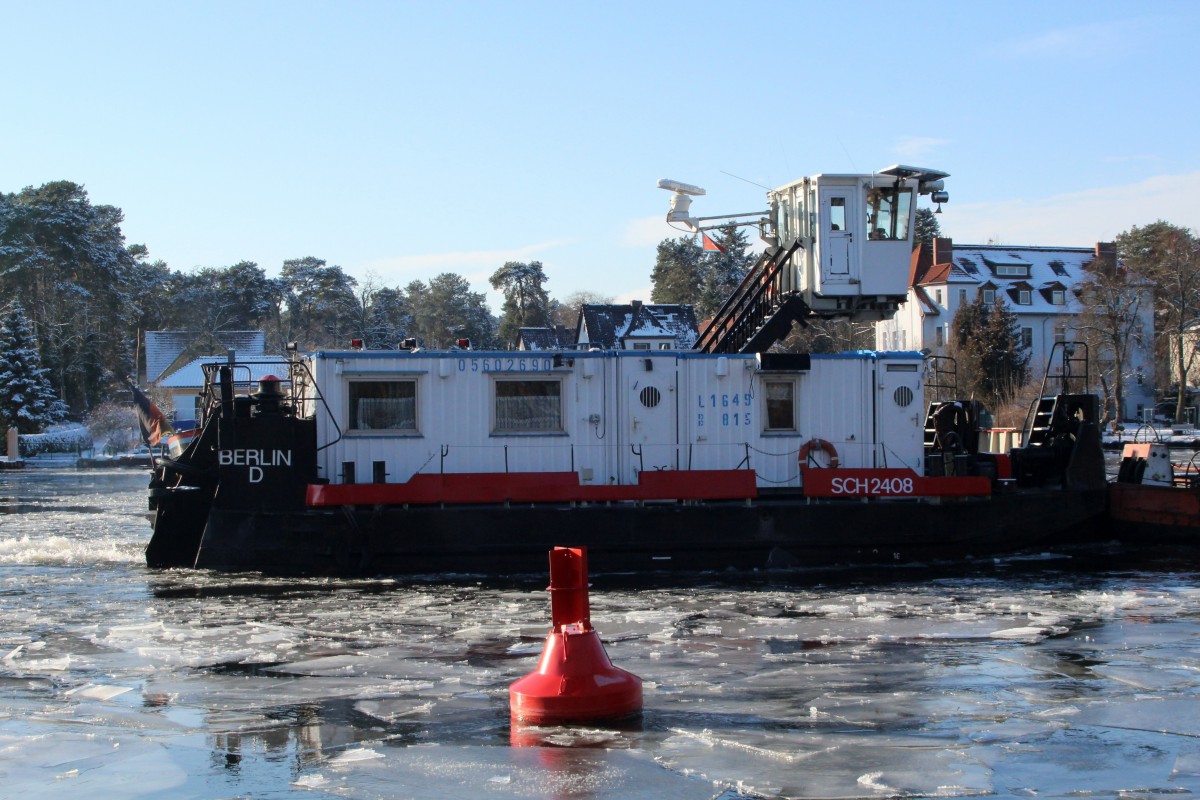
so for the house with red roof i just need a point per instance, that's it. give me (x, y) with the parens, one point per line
(1041, 285)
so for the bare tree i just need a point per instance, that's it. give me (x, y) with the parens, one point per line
(1110, 323)
(829, 336)
(1169, 256)
(566, 311)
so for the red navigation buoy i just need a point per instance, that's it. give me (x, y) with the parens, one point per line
(574, 680)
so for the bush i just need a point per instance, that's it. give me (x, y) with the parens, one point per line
(114, 424)
(59, 439)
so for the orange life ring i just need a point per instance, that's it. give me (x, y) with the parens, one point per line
(819, 444)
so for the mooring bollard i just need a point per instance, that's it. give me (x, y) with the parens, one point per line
(574, 681)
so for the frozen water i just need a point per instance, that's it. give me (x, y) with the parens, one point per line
(1025, 680)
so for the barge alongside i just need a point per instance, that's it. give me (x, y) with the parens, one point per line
(1153, 501)
(409, 461)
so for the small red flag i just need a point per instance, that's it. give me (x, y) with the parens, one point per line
(709, 244)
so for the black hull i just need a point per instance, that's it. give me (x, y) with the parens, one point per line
(499, 540)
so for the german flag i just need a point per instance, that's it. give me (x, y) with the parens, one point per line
(153, 422)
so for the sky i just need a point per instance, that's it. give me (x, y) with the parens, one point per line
(399, 140)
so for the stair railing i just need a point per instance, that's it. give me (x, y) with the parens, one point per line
(1070, 360)
(749, 306)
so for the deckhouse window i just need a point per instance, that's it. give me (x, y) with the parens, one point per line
(528, 406)
(383, 405)
(781, 405)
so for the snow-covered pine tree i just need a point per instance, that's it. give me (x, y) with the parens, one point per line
(27, 400)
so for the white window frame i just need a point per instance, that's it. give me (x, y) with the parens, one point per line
(354, 425)
(497, 416)
(766, 413)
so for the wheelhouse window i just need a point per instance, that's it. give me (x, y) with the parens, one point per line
(383, 405)
(887, 213)
(781, 405)
(528, 406)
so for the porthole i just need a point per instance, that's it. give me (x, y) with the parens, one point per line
(650, 396)
(903, 396)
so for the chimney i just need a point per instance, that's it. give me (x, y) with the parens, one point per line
(943, 250)
(1105, 261)
(636, 304)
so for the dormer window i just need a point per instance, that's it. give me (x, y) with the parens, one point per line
(1058, 297)
(1008, 266)
(1024, 297)
(989, 297)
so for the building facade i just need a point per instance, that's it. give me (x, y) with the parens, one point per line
(1041, 285)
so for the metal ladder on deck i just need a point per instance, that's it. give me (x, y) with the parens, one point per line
(1047, 410)
(941, 387)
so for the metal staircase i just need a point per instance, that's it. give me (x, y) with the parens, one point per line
(1048, 413)
(1062, 431)
(941, 389)
(760, 311)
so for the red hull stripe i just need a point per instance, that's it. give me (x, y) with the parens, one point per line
(889, 483)
(537, 487)
(1157, 505)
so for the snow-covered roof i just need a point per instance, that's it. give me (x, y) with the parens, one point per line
(163, 348)
(1041, 271)
(609, 326)
(555, 338)
(191, 375)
